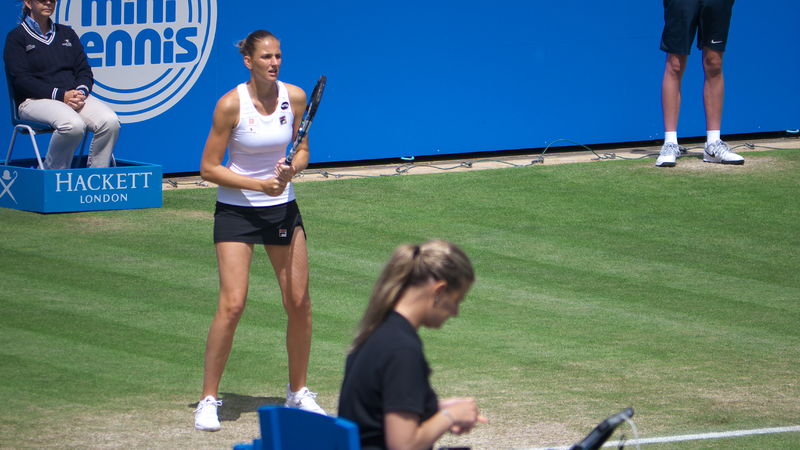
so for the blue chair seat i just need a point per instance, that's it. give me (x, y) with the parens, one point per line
(294, 429)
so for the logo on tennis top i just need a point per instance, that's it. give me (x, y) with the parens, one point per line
(145, 54)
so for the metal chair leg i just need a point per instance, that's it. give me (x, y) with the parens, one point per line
(27, 129)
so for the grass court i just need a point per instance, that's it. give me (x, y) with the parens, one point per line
(599, 286)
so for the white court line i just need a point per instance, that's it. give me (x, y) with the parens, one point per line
(688, 437)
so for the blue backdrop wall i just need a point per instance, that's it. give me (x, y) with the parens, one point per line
(419, 78)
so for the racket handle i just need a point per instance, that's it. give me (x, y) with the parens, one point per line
(290, 155)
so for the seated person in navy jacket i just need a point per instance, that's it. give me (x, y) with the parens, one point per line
(52, 83)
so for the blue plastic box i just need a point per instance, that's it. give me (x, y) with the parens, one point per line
(129, 185)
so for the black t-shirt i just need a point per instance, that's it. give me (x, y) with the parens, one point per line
(387, 373)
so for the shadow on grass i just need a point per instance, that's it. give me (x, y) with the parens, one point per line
(233, 405)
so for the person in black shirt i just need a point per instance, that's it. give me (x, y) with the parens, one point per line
(52, 83)
(386, 389)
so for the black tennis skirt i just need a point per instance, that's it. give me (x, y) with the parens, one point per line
(271, 225)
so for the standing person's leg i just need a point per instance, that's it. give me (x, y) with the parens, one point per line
(68, 124)
(713, 88)
(291, 268)
(713, 38)
(674, 68)
(680, 26)
(671, 107)
(233, 259)
(104, 123)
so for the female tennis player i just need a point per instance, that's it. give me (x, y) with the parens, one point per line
(256, 205)
(386, 388)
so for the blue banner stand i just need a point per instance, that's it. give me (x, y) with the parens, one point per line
(129, 185)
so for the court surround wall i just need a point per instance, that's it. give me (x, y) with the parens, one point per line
(420, 78)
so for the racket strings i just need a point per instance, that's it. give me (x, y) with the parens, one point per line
(308, 117)
(634, 430)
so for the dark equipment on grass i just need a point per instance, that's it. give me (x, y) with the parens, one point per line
(603, 431)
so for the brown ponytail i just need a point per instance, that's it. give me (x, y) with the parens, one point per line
(412, 265)
(248, 45)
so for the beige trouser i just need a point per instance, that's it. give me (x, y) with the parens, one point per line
(70, 126)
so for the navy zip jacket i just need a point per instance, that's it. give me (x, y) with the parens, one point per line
(46, 68)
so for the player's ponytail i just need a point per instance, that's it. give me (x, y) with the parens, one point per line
(413, 265)
(248, 45)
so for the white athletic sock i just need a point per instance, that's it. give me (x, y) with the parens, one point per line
(712, 136)
(670, 137)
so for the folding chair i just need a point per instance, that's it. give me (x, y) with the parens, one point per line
(294, 429)
(31, 128)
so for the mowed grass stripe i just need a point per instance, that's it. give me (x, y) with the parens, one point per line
(741, 300)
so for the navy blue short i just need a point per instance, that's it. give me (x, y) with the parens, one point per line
(710, 20)
(270, 225)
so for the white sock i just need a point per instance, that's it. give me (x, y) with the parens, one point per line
(670, 137)
(712, 136)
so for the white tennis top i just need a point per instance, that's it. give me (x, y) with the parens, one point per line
(255, 146)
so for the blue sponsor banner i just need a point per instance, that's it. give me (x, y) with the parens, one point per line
(418, 78)
(129, 185)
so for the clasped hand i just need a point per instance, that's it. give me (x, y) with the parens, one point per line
(75, 99)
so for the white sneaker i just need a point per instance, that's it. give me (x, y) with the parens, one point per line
(670, 152)
(205, 416)
(303, 399)
(719, 152)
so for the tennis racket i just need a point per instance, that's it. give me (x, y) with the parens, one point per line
(308, 116)
(595, 439)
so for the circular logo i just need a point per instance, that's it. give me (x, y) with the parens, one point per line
(145, 54)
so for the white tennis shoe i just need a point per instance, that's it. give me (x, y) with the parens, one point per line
(719, 152)
(303, 399)
(670, 152)
(205, 416)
